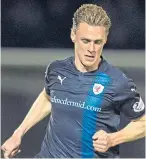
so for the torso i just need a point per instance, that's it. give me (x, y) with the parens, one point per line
(82, 103)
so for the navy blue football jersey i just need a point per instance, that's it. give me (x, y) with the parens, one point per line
(84, 103)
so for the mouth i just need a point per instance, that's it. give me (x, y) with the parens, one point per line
(89, 57)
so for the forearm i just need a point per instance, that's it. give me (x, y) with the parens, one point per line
(133, 131)
(39, 110)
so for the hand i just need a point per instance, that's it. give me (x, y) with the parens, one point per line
(11, 146)
(101, 141)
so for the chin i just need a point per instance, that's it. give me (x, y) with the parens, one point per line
(88, 63)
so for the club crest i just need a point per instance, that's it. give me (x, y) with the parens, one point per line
(98, 88)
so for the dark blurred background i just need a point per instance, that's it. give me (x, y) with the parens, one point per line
(37, 32)
(47, 23)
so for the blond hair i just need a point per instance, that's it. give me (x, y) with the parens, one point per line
(93, 15)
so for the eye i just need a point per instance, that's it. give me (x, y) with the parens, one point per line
(98, 42)
(85, 41)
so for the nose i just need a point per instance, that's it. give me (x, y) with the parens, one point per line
(91, 48)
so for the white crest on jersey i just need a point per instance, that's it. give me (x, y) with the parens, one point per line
(138, 106)
(97, 88)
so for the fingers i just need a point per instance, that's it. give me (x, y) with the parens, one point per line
(11, 146)
(99, 149)
(10, 153)
(98, 134)
(101, 141)
(3, 148)
(99, 146)
(5, 151)
(15, 152)
(7, 154)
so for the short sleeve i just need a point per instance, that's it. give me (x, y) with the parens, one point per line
(47, 79)
(128, 101)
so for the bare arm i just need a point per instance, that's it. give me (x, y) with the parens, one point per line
(133, 131)
(39, 110)
(102, 140)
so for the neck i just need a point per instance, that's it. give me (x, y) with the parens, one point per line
(82, 68)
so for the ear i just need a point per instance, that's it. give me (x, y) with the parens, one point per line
(72, 35)
(105, 41)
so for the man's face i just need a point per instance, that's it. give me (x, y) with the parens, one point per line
(89, 41)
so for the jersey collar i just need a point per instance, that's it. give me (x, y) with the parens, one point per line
(102, 67)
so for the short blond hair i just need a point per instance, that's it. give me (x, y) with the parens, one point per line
(93, 15)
